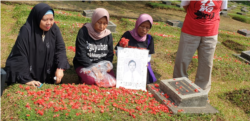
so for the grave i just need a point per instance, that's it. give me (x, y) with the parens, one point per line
(233, 6)
(223, 13)
(3, 79)
(175, 23)
(88, 13)
(244, 32)
(244, 9)
(240, 13)
(181, 95)
(111, 26)
(245, 56)
(178, 5)
(166, 2)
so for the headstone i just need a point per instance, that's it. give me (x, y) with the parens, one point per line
(175, 23)
(178, 5)
(244, 9)
(181, 95)
(223, 13)
(228, 9)
(244, 32)
(111, 26)
(88, 13)
(245, 54)
(3, 79)
(233, 6)
(166, 2)
(240, 13)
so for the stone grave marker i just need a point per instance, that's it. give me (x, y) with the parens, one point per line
(88, 13)
(111, 26)
(223, 13)
(166, 2)
(3, 79)
(244, 32)
(246, 54)
(175, 23)
(240, 13)
(233, 6)
(244, 9)
(178, 5)
(181, 95)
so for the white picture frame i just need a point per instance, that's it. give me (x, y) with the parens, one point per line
(131, 68)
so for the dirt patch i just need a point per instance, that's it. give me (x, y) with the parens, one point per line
(234, 45)
(240, 98)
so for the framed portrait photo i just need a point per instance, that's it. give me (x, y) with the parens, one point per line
(131, 68)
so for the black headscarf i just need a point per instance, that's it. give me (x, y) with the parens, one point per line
(32, 59)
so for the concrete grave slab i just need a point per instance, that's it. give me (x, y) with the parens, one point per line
(178, 5)
(160, 96)
(223, 13)
(233, 6)
(166, 2)
(111, 26)
(184, 93)
(244, 32)
(244, 9)
(3, 79)
(240, 13)
(175, 23)
(245, 54)
(88, 13)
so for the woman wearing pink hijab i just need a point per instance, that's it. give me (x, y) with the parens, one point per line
(94, 43)
(139, 38)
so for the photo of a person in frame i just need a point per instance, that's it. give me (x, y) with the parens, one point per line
(132, 76)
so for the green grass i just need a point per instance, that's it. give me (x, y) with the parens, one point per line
(241, 18)
(163, 6)
(228, 72)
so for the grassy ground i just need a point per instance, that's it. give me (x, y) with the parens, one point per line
(229, 73)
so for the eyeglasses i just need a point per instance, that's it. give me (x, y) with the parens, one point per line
(143, 27)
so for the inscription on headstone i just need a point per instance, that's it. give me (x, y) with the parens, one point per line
(183, 87)
(175, 23)
(166, 2)
(3, 79)
(88, 13)
(244, 32)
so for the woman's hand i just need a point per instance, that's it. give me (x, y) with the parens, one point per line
(59, 75)
(34, 83)
(97, 73)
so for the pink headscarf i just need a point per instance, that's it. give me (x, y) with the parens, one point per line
(98, 14)
(142, 18)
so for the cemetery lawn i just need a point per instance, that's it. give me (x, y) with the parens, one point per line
(230, 76)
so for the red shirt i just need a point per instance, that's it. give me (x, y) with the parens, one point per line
(202, 18)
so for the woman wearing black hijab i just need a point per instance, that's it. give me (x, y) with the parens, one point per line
(39, 52)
